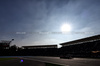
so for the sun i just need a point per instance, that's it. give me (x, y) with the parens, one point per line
(66, 28)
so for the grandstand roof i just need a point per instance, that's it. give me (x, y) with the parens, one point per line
(41, 46)
(87, 39)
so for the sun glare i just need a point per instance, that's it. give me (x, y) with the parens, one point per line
(65, 28)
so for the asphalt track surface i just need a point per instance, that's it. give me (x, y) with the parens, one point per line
(40, 61)
(16, 62)
(67, 62)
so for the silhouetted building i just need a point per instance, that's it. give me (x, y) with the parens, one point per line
(40, 50)
(40, 47)
(83, 40)
(82, 47)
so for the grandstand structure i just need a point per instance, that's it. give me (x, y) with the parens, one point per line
(85, 47)
(83, 40)
(39, 47)
(40, 50)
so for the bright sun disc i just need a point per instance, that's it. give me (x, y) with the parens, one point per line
(65, 28)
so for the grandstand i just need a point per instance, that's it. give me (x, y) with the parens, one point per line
(40, 50)
(39, 47)
(86, 47)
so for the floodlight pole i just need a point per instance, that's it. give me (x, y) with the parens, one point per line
(11, 41)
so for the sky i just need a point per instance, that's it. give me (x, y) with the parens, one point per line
(39, 22)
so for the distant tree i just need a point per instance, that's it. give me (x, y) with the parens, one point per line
(19, 48)
(14, 48)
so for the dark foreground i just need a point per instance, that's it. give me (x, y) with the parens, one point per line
(16, 62)
(67, 62)
(41, 61)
